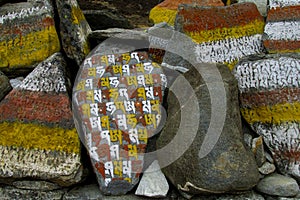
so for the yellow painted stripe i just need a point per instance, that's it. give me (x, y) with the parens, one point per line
(158, 15)
(77, 15)
(255, 27)
(29, 49)
(275, 114)
(284, 51)
(32, 136)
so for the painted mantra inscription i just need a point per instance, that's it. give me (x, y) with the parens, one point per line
(268, 74)
(119, 99)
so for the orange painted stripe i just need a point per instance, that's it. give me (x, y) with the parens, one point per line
(284, 14)
(282, 46)
(37, 106)
(208, 18)
(269, 98)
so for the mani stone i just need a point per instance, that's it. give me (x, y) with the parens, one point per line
(166, 11)
(38, 139)
(116, 106)
(27, 35)
(278, 185)
(74, 30)
(222, 34)
(282, 34)
(5, 86)
(269, 102)
(207, 154)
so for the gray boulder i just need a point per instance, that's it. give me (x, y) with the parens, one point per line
(5, 86)
(208, 154)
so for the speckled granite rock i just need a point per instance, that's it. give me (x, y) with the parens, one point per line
(37, 134)
(116, 105)
(27, 35)
(74, 30)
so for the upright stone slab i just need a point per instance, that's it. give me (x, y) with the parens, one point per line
(5, 86)
(261, 5)
(223, 34)
(27, 35)
(74, 30)
(282, 32)
(166, 11)
(227, 166)
(116, 105)
(38, 139)
(269, 97)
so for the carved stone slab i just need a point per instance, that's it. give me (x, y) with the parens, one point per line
(269, 96)
(116, 104)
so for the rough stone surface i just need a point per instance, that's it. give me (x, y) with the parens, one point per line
(258, 150)
(166, 11)
(27, 35)
(11, 193)
(267, 168)
(36, 185)
(116, 105)
(38, 138)
(74, 30)
(224, 35)
(269, 103)
(5, 85)
(281, 32)
(108, 19)
(153, 182)
(278, 185)
(90, 192)
(261, 5)
(227, 166)
(130, 36)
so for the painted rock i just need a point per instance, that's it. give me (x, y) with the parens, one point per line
(116, 105)
(223, 34)
(202, 141)
(74, 30)
(166, 11)
(269, 96)
(38, 138)
(27, 35)
(282, 34)
(5, 86)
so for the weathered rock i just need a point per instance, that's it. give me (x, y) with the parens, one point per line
(223, 34)
(261, 5)
(153, 182)
(116, 105)
(15, 82)
(206, 160)
(258, 150)
(281, 33)
(8, 193)
(38, 138)
(166, 11)
(269, 103)
(130, 36)
(90, 192)
(27, 35)
(5, 86)
(267, 168)
(108, 19)
(74, 30)
(36, 185)
(278, 185)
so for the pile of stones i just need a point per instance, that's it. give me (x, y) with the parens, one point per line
(203, 105)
